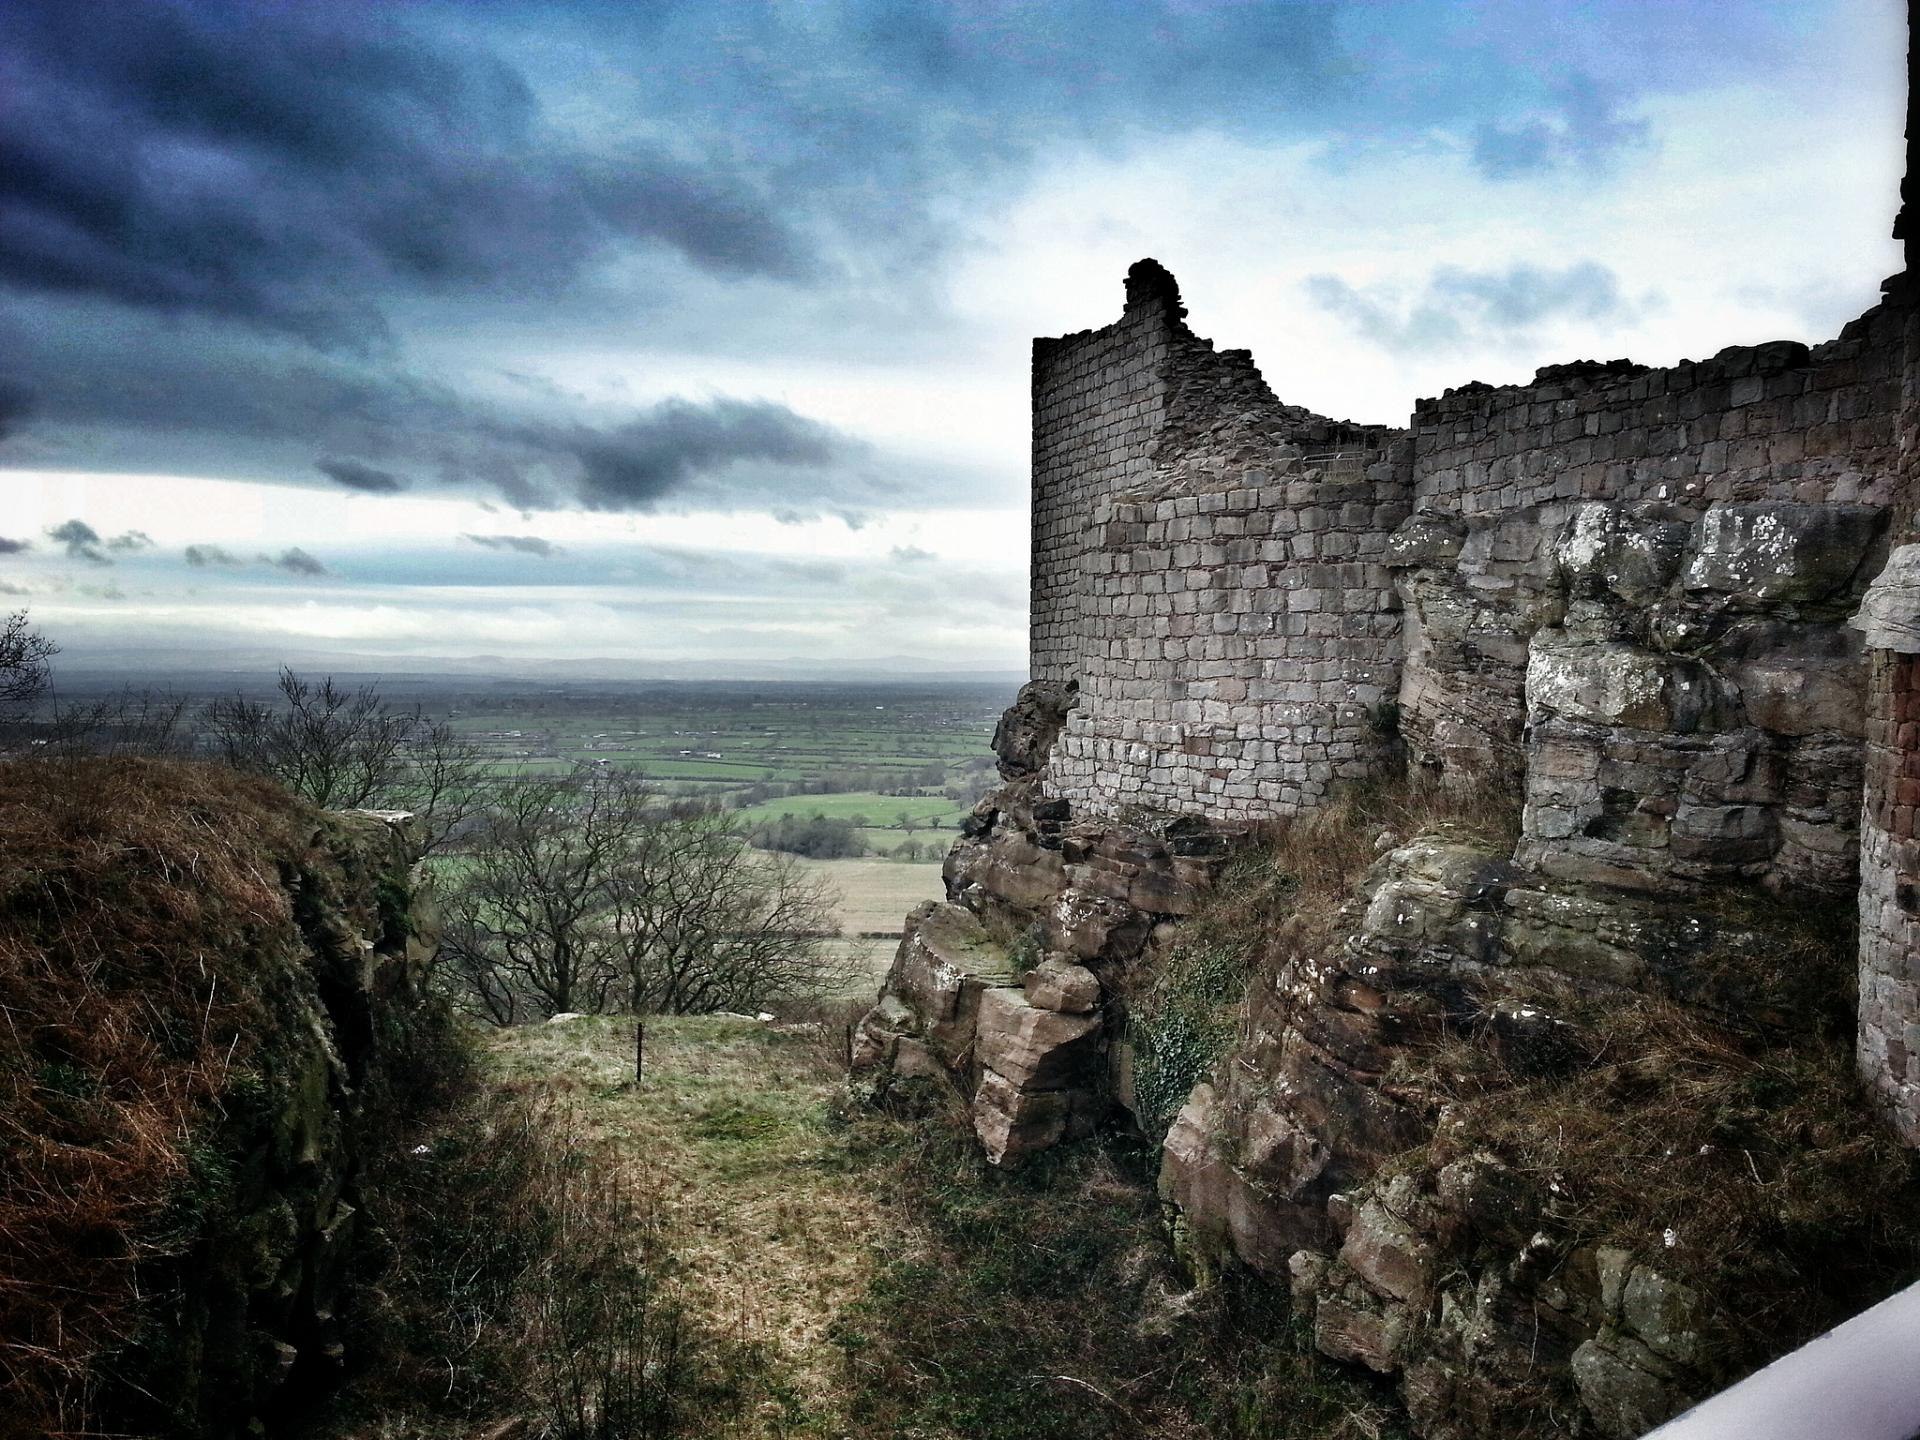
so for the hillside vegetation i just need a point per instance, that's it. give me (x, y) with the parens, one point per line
(208, 1020)
(824, 1270)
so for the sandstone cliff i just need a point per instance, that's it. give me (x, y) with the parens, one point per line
(1554, 1155)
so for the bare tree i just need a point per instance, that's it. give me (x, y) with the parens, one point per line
(347, 749)
(444, 780)
(136, 722)
(466, 963)
(24, 657)
(707, 923)
(589, 892)
(530, 906)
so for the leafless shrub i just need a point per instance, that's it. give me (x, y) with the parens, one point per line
(136, 722)
(24, 657)
(346, 749)
(529, 927)
(589, 892)
(704, 923)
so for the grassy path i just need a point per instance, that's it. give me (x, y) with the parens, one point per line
(889, 1285)
(773, 1226)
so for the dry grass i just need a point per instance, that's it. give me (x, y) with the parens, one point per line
(1305, 869)
(771, 1231)
(137, 898)
(1045, 1302)
(861, 1276)
(522, 1276)
(1727, 1139)
(1286, 893)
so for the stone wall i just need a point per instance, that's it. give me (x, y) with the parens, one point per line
(1889, 1036)
(1621, 591)
(1207, 566)
(1098, 402)
(1239, 644)
(1219, 588)
(1765, 422)
(1499, 473)
(1889, 901)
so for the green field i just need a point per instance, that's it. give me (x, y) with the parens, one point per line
(874, 811)
(840, 747)
(739, 743)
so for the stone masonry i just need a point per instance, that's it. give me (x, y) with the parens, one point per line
(1209, 567)
(1675, 613)
(1624, 591)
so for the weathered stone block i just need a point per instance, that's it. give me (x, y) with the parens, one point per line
(1776, 552)
(1616, 684)
(1031, 1047)
(1056, 983)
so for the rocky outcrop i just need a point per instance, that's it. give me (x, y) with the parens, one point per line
(1005, 992)
(1323, 1156)
(1024, 737)
(1674, 685)
(255, 1297)
(1490, 1327)
(218, 1026)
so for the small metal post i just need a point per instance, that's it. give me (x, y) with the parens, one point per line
(639, 1051)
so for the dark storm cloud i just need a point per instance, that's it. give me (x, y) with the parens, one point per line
(81, 540)
(636, 465)
(230, 404)
(357, 476)
(298, 168)
(16, 403)
(131, 540)
(1585, 130)
(295, 561)
(524, 544)
(202, 556)
(223, 222)
(292, 166)
(1457, 306)
(14, 547)
(301, 167)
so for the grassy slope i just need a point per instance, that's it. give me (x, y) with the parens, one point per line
(894, 1286)
(775, 1231)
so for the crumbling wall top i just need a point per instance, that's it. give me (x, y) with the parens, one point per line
(1151, 283)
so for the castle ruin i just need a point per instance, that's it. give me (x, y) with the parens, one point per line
(1676, 612)
(1630, 591)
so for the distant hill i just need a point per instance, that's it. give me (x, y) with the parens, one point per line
(88, 667)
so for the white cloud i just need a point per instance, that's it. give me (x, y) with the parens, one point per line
(1742, 192)
(1750, 212)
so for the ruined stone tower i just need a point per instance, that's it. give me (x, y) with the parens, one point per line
(1626, 590)
(1675, 612)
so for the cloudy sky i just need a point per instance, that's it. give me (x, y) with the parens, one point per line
(697, 333)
